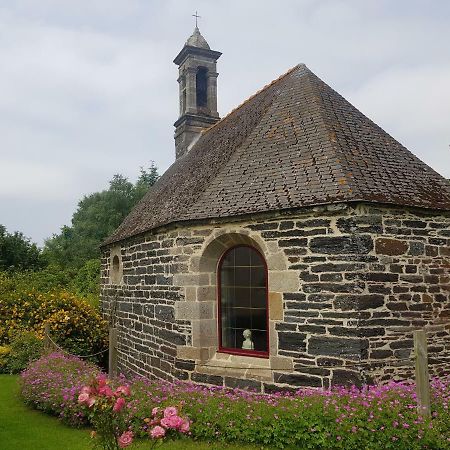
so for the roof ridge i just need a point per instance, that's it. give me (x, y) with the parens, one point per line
(267, 86)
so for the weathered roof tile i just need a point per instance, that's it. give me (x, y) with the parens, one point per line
(295, 143)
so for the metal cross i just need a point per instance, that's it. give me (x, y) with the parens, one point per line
(196, 17)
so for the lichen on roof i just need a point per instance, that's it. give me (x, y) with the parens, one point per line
(295, 143)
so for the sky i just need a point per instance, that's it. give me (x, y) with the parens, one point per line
(88, 87)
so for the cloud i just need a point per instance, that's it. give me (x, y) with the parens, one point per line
(24, 180)
(413, 104)
(89, 88)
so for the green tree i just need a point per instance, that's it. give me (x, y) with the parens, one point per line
(96, 217)
(17, 252)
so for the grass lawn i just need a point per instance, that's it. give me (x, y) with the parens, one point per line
(22, 428)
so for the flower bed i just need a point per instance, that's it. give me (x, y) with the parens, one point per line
(375, 417)
(52, 384)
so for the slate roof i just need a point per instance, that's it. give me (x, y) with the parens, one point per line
(197, 40)
(295, 143)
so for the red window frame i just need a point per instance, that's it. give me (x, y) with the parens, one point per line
(237, 351)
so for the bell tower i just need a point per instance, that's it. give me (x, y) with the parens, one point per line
(198, 91)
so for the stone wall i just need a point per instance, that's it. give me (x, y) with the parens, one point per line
(347, 286)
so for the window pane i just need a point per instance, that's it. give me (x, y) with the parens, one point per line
(258, 319)
(242, 296)
(242, 276)
(243, 318)
(260, 340)
(228, 297)
(258, 276)
(228, 260)
(259, 297)
(242, 256)
(227, 276)
(228, 337)
(239, 337)
(228, 318)
(243, 300)
(256, 259)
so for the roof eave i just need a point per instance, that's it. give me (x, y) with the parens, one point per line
(262, 214)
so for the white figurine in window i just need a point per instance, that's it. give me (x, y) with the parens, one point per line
(248, 343)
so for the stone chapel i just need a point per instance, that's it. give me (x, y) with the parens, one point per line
(291, 243)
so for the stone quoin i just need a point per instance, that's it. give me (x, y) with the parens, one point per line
(294, 219)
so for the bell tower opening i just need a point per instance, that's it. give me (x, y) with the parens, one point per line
(201, 85)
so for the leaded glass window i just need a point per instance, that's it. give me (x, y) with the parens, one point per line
(243, 301)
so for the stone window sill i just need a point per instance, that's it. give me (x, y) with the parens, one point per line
(246, 367)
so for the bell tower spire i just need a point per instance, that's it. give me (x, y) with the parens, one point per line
(198, 90)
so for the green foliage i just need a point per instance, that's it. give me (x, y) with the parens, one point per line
(5, 351)
(87, 279)
(85, 282)
(17, 252)
(25, 347)
(23, 428)
(372, 417)
(75, 324)
(49, 279)
(96, 217)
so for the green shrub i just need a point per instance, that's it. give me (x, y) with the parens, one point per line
(5, 351)
(25, 347)
(46, 280)
(87, 279)
(75, 325)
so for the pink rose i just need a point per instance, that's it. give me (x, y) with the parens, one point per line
(106, 391)
(185, 426)
(83, 397)
(125, 439)
(155, 411)
(90, 401)
(158, 432)
(173, 422)
(170, 411)
(120, 403)
(102, 380)
(86, 390)
(125, 390)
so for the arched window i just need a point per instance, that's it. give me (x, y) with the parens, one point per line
(201, 82)
(242, 291)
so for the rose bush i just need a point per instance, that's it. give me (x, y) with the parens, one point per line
(167, 422)
(103, 407)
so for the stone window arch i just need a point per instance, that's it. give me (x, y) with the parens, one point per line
(243, 302)
(200, 307)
